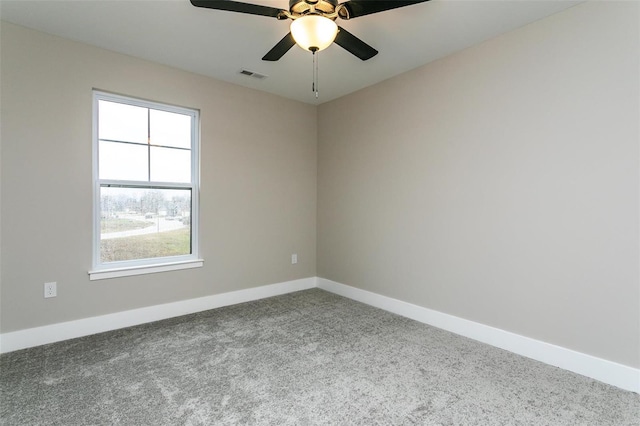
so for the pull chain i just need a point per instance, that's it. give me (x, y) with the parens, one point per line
(314, 84)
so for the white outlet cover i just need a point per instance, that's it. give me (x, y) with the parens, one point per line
(50, 290)
(294, 259)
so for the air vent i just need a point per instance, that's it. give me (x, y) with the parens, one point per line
(253, 74)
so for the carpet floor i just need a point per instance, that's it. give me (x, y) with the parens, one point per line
(306, 358)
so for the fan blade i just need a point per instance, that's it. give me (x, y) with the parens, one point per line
(354, 45)
(280, 49)
(236, 6)
(358, 8)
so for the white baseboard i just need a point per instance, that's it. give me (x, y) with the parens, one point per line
(69, 330)
(609, 372)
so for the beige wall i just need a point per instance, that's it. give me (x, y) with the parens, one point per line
(499, 184)
(258, 187)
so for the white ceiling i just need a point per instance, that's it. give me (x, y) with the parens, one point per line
(219, 44)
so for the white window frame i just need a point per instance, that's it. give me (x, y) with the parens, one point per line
(160, 264)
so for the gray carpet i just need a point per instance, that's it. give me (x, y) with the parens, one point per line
(304, 358)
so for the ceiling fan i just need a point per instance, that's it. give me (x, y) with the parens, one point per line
(313, 27)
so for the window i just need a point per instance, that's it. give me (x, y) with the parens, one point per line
(145, 187)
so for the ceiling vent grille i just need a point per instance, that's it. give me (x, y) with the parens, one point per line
(253, 74)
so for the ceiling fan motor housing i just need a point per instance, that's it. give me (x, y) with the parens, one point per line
(303, 6)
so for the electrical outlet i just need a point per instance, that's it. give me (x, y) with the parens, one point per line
(294, 259)
(50, 290)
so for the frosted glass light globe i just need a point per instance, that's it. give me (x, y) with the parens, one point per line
(314, 32)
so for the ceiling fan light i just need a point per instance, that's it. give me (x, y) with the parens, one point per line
(314, 32)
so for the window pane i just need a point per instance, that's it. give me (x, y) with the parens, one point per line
(144, 223)
(123, 161)
(170, 129)
(170, 165)
(120, 122)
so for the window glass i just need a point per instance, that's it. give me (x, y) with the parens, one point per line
(138, 223)
(121, 122)
(123, 161)
(170, 165)
(170, 129)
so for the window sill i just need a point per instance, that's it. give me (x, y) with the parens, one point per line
(104, 274)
